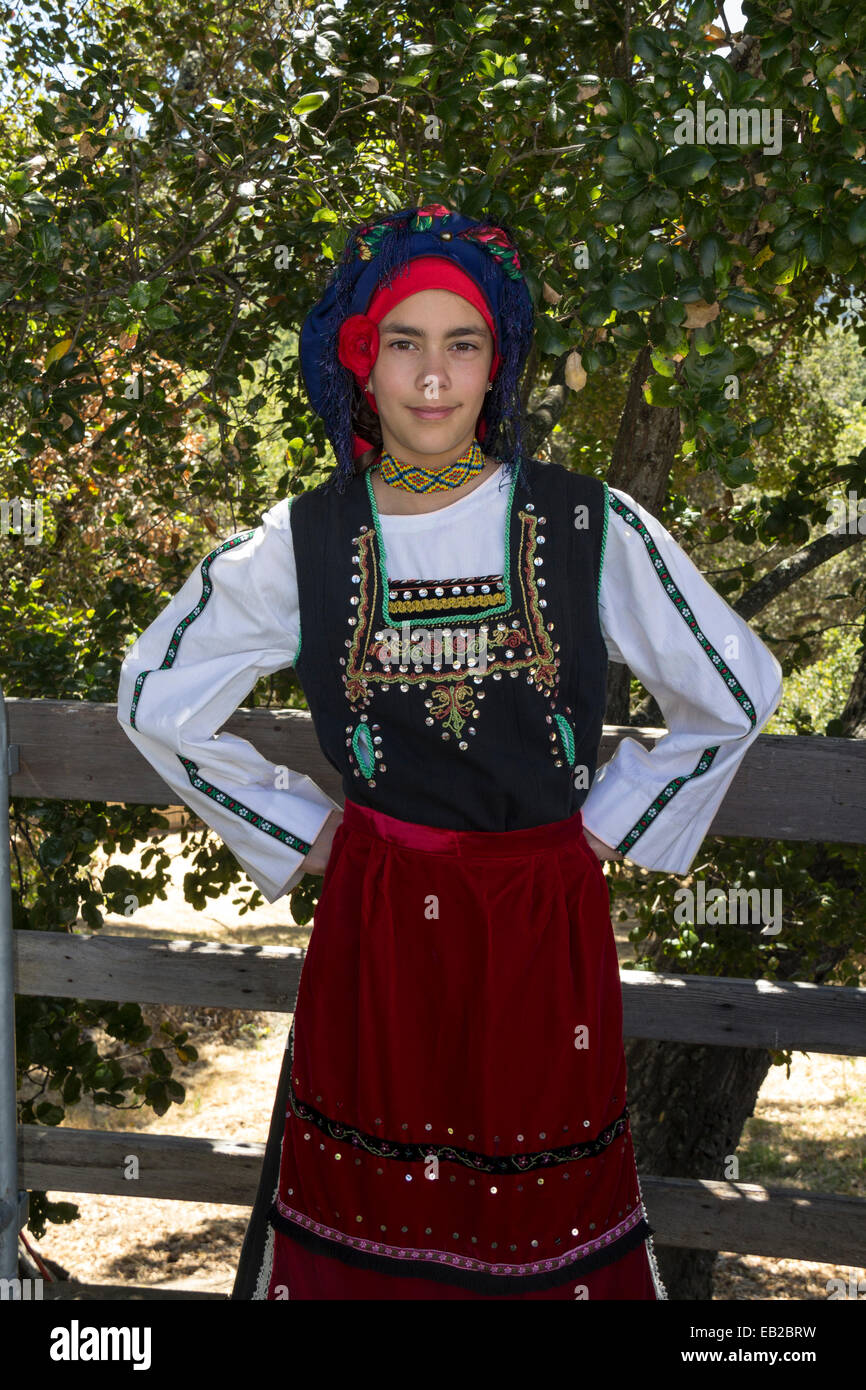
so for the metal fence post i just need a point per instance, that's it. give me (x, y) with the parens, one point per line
(9, 1197)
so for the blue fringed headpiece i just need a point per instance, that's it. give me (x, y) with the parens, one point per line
(375, 252)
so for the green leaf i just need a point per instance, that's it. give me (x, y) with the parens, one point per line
(686, 166)
(49, 1114)
(635, 142)
(161, 316)
(139, 295)
(595, 309)
(622, 97)
(262, 59)
(616, 166)
(741, 302)
(310, 101)
(658, 272)
(160, 1063)
(624, 295)
(639, 214)
(52, 852)
(659, 390)
(663, 365)
(609, 211)
(551, 337)
(856, 229)
(816, 244)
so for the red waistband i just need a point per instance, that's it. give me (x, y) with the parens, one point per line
(492, 844)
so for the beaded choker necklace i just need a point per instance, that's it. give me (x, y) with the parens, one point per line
(424, 480)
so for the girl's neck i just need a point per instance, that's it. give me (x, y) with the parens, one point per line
(396, 501)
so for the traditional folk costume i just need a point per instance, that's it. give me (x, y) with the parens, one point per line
(451, 1119)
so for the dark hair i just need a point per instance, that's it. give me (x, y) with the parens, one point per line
(367, 425)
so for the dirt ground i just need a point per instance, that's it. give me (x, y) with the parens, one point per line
(807, 1132)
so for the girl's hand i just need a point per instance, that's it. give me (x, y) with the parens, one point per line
(317, 860)
(599, 847)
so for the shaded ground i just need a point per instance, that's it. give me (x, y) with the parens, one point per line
(807, 1132)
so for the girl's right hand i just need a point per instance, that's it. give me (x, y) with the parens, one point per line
(599, 848)
(317, 860)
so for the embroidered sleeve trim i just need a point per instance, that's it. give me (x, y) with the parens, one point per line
(223, 798)
(677, 598)
(603, 537)
(298, 652)
(245, 812)
(387, 585)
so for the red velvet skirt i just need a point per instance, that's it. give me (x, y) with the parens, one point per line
(455, 1122)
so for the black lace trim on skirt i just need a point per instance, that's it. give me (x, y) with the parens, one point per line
(467, 1279)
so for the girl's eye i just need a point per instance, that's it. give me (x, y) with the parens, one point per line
(404, 342)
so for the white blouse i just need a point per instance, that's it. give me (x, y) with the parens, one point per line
(249, 627)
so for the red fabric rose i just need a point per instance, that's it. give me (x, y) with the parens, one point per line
(358, 344)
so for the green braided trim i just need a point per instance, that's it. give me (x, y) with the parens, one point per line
(245, 812)
(366, 757)
(452, 617)
(707, 756)
(224, 799)
(603, 537)
(567, 737)
(298, 652)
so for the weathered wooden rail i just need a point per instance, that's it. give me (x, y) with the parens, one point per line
(77, 751)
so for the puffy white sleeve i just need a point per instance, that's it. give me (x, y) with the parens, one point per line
(234, 620)
(716, 684)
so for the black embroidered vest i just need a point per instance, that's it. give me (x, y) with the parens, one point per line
(473, 703)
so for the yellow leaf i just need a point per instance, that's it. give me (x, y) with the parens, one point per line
(575, 376)
(57, 351)
(700, 313)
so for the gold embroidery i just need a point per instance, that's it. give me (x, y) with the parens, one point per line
(432, 605)
(453, 704)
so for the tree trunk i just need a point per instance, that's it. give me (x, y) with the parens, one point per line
(688, 1106)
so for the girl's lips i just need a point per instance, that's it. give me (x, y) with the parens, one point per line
(431, 414)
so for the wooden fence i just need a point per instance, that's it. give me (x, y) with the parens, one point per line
(787, 788)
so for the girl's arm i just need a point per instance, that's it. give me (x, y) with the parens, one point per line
(234, 620)
(716, 683)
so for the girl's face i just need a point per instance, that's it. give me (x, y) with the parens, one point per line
(430, 377)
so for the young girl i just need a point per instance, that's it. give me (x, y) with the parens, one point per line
(451, 1120)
